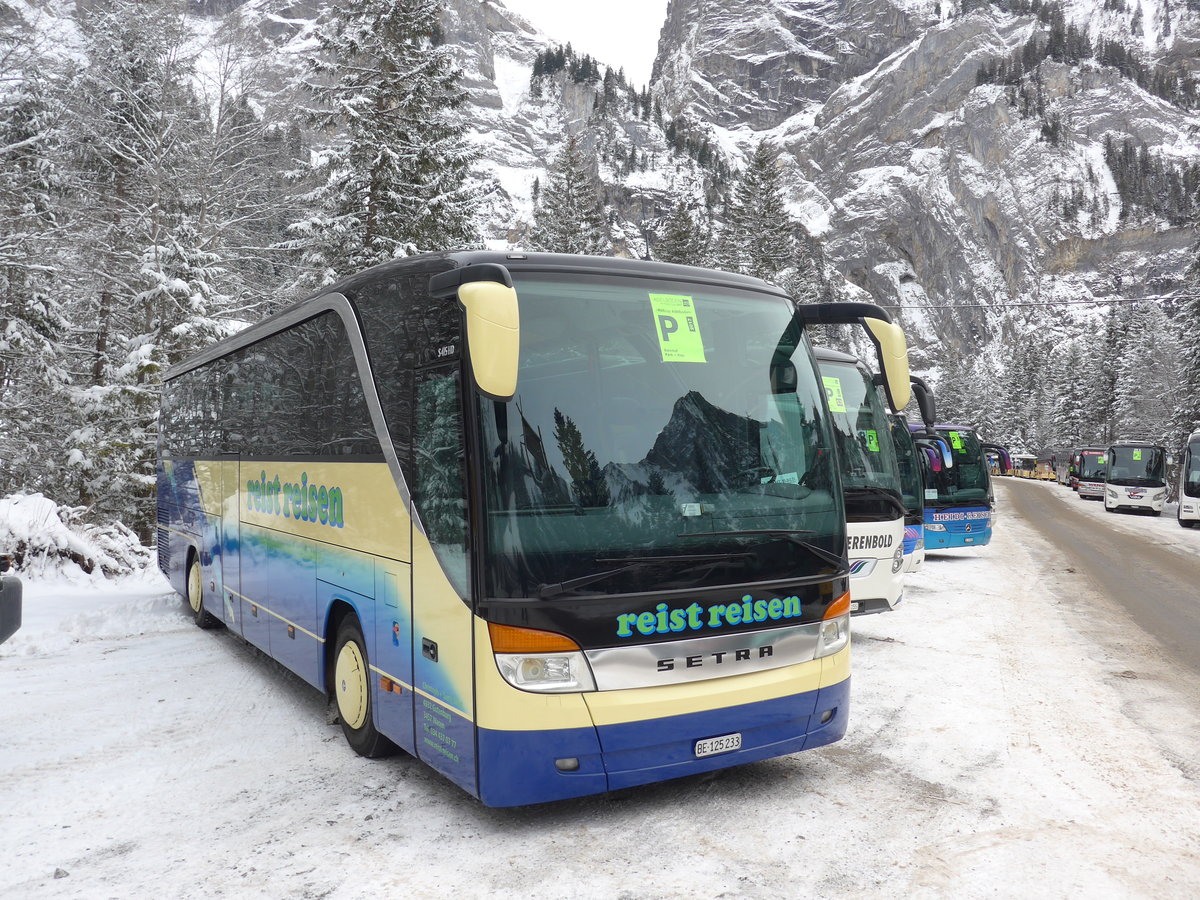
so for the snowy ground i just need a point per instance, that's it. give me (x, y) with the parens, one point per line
(1009, 737)
(1165, 528)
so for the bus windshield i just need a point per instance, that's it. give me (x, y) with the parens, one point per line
(868, 457)
(911, 485)
(663, 435)
(966, 482)
(1091, 465)
(1135, 466)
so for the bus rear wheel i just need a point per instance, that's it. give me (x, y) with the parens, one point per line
(352, 691)
(195, 597)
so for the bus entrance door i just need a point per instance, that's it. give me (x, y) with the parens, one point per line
(394, 651)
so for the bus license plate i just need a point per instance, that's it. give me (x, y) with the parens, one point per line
(723, 744)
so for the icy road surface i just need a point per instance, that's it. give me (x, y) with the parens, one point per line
(1009, 737)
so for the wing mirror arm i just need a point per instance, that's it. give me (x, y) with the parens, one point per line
(888, 338)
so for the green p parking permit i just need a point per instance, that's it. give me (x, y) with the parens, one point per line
(833, 393)
(678, 328)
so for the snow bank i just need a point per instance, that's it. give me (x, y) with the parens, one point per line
(45, 540)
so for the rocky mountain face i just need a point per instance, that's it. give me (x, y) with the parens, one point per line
(927, 182)
(927, 186)
(757, 63)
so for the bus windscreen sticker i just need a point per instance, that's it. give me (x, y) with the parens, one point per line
(677, 328)
(956, 441)
(833, 393)
(872, 439)
(1137, 455)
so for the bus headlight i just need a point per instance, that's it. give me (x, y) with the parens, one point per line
(835, 628)
(834, 636)
(934, 526)
(1161, 495)
(544, 661)
(558, 673)
(898, 559)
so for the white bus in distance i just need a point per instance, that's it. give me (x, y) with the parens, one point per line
(1135, 477)
(1189, 483)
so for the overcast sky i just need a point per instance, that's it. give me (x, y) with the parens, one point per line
(618, 33)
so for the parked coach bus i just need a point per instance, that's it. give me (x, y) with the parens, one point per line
(1189, 482)
(960, 515)
(554, 525)
(1090, 463)
(917, 455)
(1135, 477)
(875, 508)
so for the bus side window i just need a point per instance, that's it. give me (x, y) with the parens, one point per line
(439, 493)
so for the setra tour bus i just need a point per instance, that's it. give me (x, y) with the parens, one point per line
(1135, 477)
(959, 502)
(1188, 513)
(874, 496)
(554, 525)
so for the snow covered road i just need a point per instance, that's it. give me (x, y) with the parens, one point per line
(1011, 735)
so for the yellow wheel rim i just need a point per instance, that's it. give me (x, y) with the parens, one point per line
(195, 596)
(350, 676)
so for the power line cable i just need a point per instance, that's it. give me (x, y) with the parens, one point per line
(1048, 303)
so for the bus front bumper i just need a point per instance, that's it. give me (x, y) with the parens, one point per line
(523, 767)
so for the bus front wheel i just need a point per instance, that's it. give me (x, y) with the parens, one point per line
(195, 597)
(352, 691)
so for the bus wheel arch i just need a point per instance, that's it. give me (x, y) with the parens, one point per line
(348, 678)
(194, 592)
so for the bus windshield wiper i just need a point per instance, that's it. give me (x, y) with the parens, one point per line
(877, 491)
(788, 534)
(633, 563)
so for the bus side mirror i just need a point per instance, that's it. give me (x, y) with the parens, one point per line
(493, 336)
(892, 350)
(924, 401)
(493, 315)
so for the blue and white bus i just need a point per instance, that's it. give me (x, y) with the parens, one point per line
(554, 525)
(959, 501)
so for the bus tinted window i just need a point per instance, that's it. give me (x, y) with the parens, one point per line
(1135, 465)
(1189, 475)
(1092, 465)
(967, 479)
(404, 328)
(296, 393)
(439, 490)
(865, 448)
